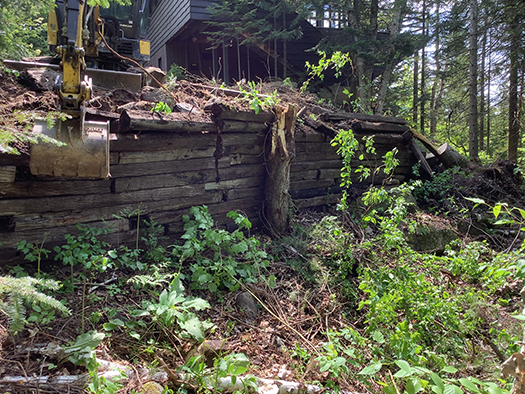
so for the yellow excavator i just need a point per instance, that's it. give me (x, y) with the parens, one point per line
(102, 38)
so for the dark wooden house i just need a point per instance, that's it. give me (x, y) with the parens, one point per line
(177, 37)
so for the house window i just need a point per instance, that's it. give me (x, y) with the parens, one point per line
(329, 18)
(159, 63)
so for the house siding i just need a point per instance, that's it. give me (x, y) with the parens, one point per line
(169, 17)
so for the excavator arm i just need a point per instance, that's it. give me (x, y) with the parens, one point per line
(84, 146)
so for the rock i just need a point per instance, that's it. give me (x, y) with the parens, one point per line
(185, 107)
(247, 304)
(147, 79)
(210, 350)
(151, 388)
(432, 235)
(157, 95)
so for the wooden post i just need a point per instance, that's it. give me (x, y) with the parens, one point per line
(279, 154)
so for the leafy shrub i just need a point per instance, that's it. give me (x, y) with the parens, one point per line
(219, 259)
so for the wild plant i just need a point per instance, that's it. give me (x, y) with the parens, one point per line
(219, 259)
(16, 293)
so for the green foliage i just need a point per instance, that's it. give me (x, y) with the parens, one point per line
(337, 61)
(16, 293)
(161, 107)
(208, 379)
(347, 146)
(419, 379)
(219, 259)
(86, 249)
(99, 384)
(173, 309)
(81, 351)
(14, 136)
(256, 100)
(177, 72)
(24, 28)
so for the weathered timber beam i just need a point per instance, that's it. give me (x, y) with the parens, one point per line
(367, 118)
(218, 109)
(319, 126)
(134, 120)
(378, 127)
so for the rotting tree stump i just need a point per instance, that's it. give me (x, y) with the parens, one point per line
(279, 154)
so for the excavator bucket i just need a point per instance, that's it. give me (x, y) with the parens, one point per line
(84, 152)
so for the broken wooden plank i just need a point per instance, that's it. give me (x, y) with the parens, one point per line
(421, 157)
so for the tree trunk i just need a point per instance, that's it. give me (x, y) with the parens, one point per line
(281, 151)
(513, 137)
(438, 80)
(482, 93)
(239, 72)
(285, 48)
(489, 82)
(415, 89)
(423, 67)
(395, 26)
(473, 81)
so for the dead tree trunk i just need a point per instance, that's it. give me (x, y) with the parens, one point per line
(280, 152)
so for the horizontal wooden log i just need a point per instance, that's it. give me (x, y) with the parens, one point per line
(64, 203)
(321, 127)
(188, 178)
(329, 199)
(304, 175)
(233, 126)
(155, 141)
(310, 184)
(31, 189)
(315, 147)
(235, 183)
(14, 160)
(7, 176)
(336, 117)
(134, 120)
(310, 164)
(169, 155)
(385, 139)
(153, 168)
(301, 137)
(315, 156)
(329, 173)
(378, 127)
(315, 192)
(41, 221)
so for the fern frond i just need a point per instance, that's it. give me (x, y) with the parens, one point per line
(22, 291)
